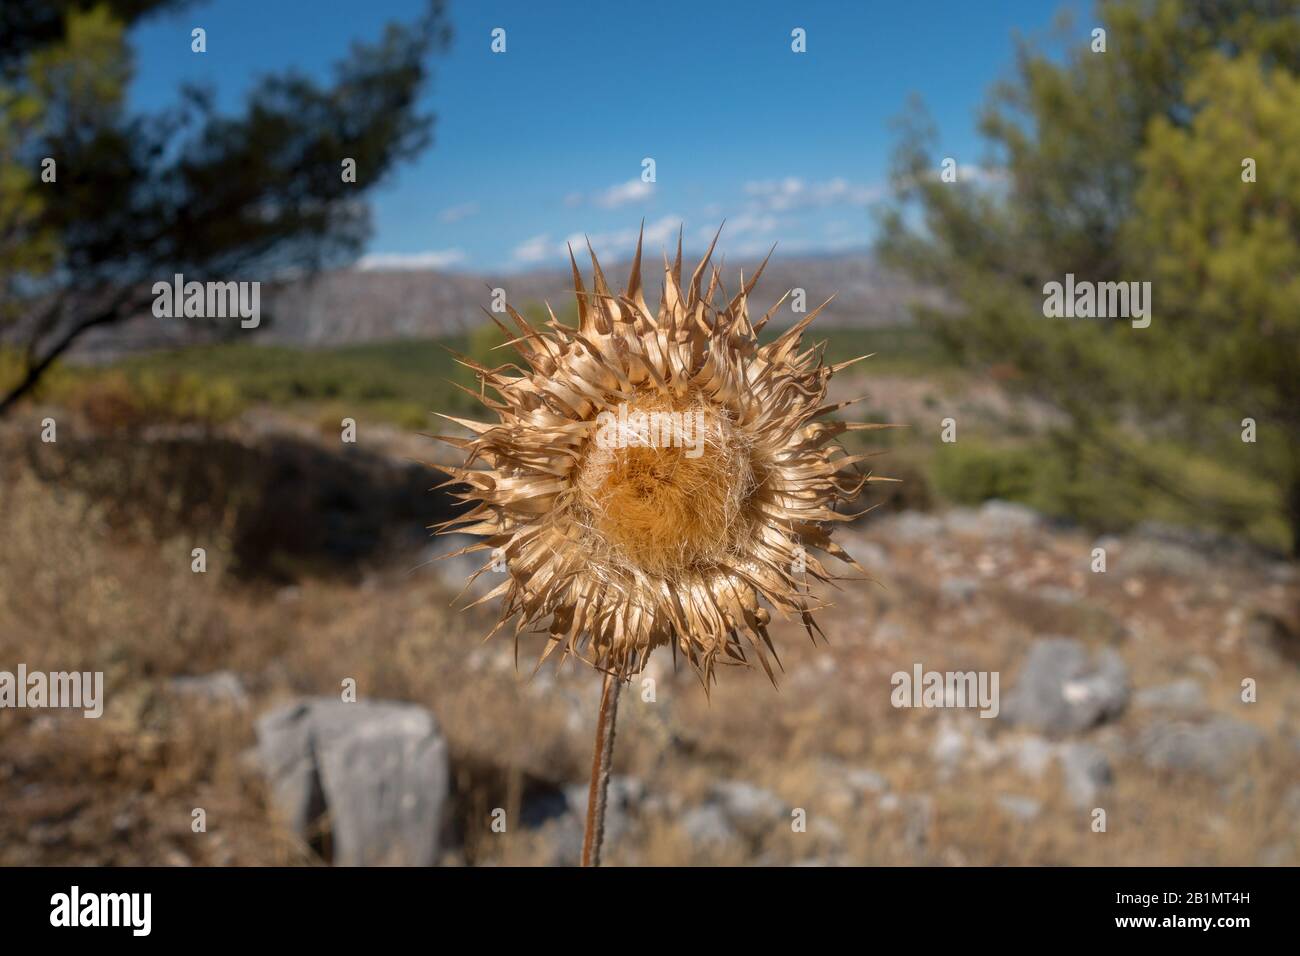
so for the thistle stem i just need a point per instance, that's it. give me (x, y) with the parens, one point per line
(601, 763)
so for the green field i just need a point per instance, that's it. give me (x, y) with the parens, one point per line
(403, 382)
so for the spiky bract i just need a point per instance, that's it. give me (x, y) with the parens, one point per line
(618, 550)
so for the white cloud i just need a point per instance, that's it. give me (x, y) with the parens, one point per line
(776, 193)
(404, 261)
(791, 193)
(620, 194)
(534, 250)
(737, 227)
(457, 213)
(615, 244)
(634, 190)
(621, 243)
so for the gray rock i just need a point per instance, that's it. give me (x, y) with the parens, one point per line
(1063, 690)
(749, 807)
(1032, 754)
(1162, 557)
(622, 801)
(378, 768)
(661, 805)
(1056, 594)
(1185, 694)
(994, 519)
(964, 521)
(735, 809)
(912, 527)
(219, 687)
(563, 840)
(1022, 808)
(1179, 549)
(958, 590)
(1007, 517)
(1213, 747)
(708, 826)
(870, 554)
(866, 780)
(454, 571)
(1108, 542)
(287, 756)
(1087, 772)
(949, 747)
(1186, 552)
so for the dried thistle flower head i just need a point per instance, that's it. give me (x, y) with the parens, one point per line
(656, 478)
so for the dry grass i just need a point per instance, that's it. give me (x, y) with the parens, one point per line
(78, 591)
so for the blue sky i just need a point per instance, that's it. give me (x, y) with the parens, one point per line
(545, 142)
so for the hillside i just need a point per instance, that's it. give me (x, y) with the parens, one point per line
(350, 306)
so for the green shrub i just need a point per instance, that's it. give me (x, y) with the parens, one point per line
(968, 472)
(1102, 492)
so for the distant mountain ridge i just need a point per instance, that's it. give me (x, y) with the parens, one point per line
(351, 306)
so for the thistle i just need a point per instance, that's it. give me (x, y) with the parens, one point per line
(656, 478)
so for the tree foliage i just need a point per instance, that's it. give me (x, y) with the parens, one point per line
(1127, 165)
(139, 198)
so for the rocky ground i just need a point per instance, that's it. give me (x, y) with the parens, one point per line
(1149, 713)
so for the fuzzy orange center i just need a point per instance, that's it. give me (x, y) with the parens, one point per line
(664, 485)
